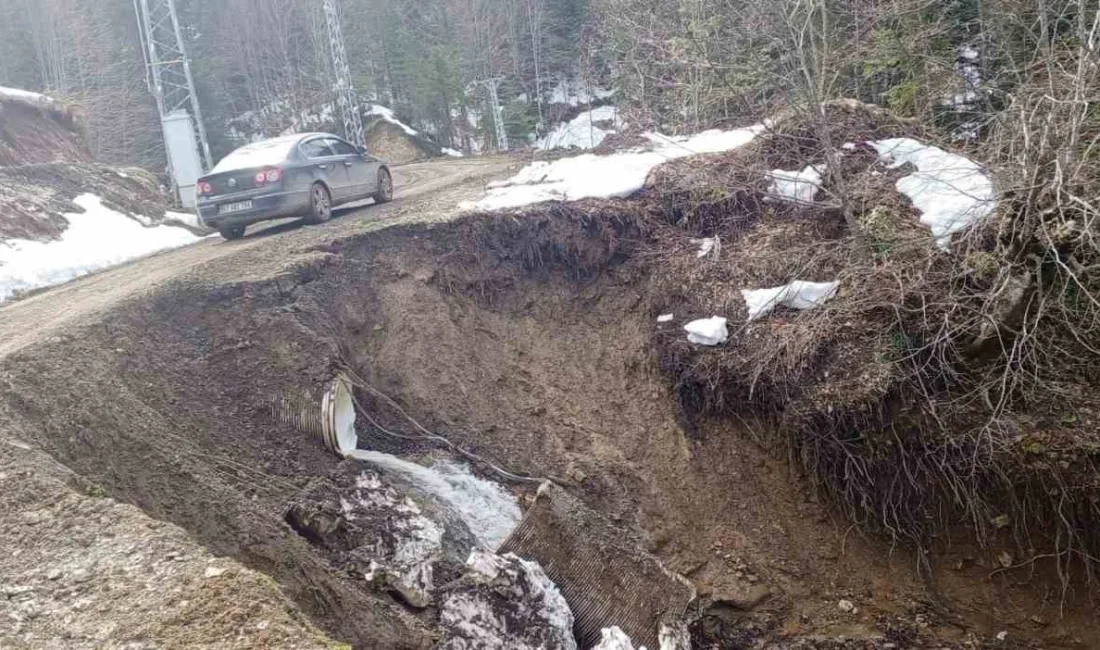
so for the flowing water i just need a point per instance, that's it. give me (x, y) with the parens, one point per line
(488, 510)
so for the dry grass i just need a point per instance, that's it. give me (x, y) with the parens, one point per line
(937, 391)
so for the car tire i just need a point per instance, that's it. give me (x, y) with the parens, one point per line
(236, 232)
(385, 187)
(320, 204)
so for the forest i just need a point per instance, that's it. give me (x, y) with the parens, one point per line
(969, 67)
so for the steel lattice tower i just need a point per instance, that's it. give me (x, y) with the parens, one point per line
(168, 68)
(346, 98)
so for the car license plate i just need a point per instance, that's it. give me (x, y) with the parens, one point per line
(239, 206)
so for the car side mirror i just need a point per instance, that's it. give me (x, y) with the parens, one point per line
(363, 151)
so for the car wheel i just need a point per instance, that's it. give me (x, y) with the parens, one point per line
(320, 204)
(385, 187)
(236, 232)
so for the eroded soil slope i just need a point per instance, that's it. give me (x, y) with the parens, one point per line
(531, 345)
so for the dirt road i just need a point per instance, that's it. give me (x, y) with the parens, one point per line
(424, 192)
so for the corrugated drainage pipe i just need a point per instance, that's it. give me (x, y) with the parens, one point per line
(333, 423)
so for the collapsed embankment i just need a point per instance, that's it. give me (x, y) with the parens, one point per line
(532, 340)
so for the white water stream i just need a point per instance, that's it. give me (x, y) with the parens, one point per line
(488, 510)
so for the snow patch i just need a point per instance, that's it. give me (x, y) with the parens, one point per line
(581, 132)
(96, 239)
(951, 191)
(187, 218)
(666, 318)
(613, 176)
(453, 153)
(796, 295)
(26, 96)
(487, 509)
(707, 331)
(577, 93)
(387, 114)
(798, 186)
(612, 638)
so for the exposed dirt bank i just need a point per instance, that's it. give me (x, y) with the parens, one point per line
(533, 341)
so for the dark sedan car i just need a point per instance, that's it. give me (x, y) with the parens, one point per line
(292, 176)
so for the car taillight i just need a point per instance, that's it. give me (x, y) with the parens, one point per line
(268, 176)
(205, 188)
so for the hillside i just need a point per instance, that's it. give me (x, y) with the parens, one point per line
(61, 215)
(36, 129)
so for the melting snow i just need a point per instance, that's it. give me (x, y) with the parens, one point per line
(576, 93)
(25, 96)
(387, 114)
(612, 638)
(950, 190)
(666, 318)
(613, 176)
(187, 218)
(800, 187)
(454, 153)
(707, 331)
(581, 132)
(796, 295)
(97, 239)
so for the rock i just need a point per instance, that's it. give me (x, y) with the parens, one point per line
(80, 576)
(846, 606)
(746, 599)
(504, 603)
(17, 592)
(1002, 635)
(54, 574)
(213, 572)
(674, 637)
(367, 526)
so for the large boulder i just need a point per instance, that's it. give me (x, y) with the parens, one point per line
(370, 529)
(504, 603)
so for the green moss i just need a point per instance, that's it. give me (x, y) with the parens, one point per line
(902, 98)
(983, 264)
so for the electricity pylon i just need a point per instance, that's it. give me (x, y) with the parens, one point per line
(168, 70)
(345, 91)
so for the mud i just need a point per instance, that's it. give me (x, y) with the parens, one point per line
(530, 343)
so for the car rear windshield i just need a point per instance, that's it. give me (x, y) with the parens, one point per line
(257, 154)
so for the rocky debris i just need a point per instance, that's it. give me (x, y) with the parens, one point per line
(80, 571)
(372, 530)
(504, 603)
(847, 606)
